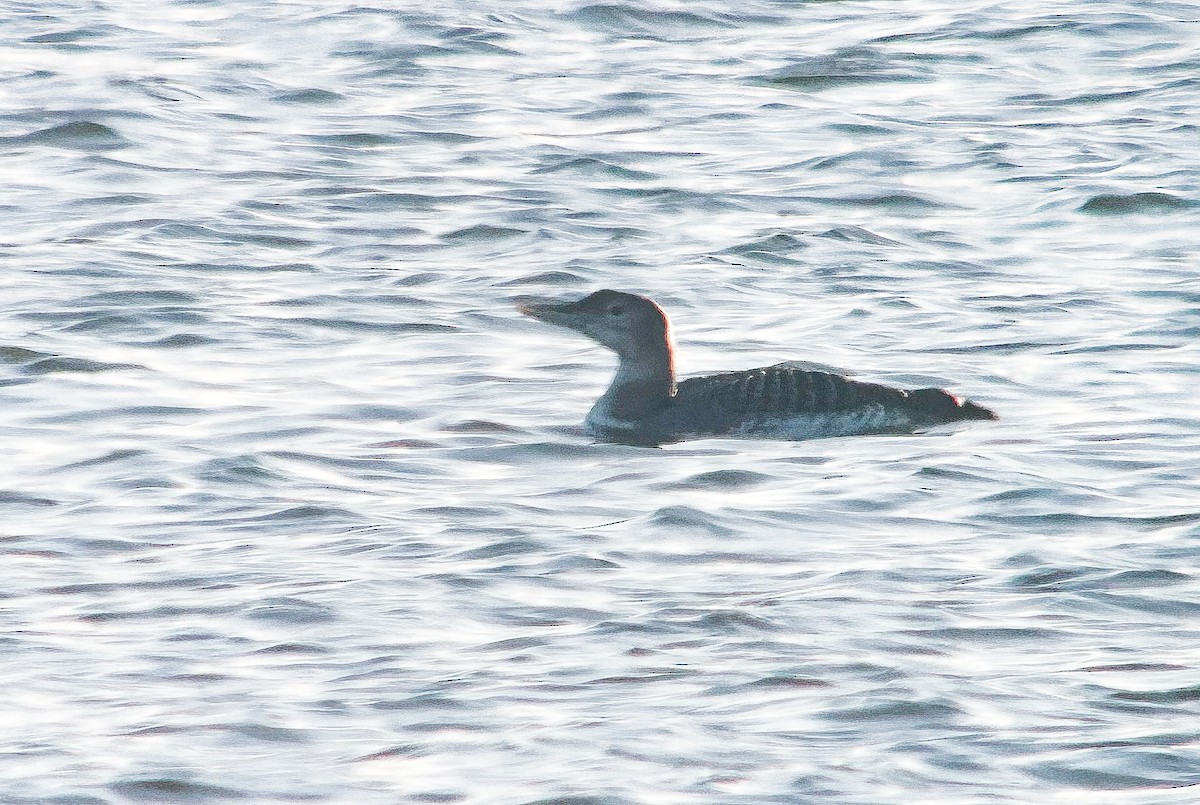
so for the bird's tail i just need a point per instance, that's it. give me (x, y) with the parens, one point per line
(933, 406)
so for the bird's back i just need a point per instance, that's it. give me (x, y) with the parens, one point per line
(790, 402)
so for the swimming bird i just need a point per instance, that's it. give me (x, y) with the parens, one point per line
(645, 406)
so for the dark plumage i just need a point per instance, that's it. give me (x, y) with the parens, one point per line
(645, 406)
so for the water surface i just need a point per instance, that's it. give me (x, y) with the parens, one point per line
(296, 507)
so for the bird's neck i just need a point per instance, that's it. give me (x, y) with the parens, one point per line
(643, 385)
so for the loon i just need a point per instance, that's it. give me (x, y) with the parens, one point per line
(644, 405)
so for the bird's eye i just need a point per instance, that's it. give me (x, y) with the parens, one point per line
(616, 310)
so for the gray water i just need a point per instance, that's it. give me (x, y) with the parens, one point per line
(297, 508)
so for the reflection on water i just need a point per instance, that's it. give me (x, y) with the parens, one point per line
(296, 505)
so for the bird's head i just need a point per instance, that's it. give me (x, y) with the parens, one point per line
(628, 324)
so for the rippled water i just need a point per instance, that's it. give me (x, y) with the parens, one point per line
(297, 507)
